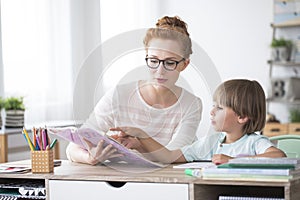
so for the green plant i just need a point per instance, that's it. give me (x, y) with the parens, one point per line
(2, 102)
(281, 43)
(14, 103)
(294, 115)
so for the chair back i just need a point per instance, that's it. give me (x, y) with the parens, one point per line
(290, 144)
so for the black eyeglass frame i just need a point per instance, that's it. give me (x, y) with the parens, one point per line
(163, 61)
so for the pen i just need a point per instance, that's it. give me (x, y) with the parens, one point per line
(41, 138)
(193, 172)
(47, 136)
(44, 138)
(38, 140)
(28, 139)
(34, 138)
(53, 143)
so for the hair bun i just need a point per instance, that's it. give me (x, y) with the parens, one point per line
(172, 23)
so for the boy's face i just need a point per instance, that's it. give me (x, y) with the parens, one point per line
(224, 119)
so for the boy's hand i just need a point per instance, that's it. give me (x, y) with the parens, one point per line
(220, 159)
(130, 142)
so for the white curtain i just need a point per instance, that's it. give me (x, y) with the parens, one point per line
(1, 63)
(37, 57)
(44, 45)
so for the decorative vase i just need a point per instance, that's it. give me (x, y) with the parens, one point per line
(14, 118)
(280, 54)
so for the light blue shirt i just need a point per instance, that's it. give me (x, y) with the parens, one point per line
(205, 148)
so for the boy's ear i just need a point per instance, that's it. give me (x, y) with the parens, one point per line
(242, 120)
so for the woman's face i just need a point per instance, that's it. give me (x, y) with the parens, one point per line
(165, 50)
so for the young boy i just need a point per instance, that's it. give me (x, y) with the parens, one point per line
(238, 112)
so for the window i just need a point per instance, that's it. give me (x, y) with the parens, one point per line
(37, 57)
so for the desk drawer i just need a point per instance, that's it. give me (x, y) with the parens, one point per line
(273, 129)
(101, 190)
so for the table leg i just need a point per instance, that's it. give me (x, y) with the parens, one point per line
(3, 148)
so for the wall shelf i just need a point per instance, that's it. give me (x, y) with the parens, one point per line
(284, 64)
(283, 83)
(287, 24)
(294, 102)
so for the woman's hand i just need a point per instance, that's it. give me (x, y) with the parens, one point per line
(100, 153)
(220, 159)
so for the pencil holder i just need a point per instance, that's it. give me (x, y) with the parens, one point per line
(42, 161)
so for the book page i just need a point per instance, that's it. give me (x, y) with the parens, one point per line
(129, 156)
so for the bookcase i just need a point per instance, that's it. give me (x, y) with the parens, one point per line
(284, 76)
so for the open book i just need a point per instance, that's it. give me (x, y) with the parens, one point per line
(129, 156)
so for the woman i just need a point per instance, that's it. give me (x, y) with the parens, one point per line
(165, 111)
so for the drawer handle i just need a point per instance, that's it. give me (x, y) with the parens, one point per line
(275, 129)
(116, 184)
(297, 129)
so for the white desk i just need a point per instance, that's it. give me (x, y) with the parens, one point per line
(78, 181)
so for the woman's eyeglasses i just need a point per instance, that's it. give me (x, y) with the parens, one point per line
(169, 65)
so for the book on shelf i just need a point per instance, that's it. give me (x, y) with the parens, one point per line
(23, 189)
(130, 156)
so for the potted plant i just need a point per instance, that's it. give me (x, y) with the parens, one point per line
(294, 117)
(14, 110)
(281, 49)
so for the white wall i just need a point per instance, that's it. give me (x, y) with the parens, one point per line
(235, 34)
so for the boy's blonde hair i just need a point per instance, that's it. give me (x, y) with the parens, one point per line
(247, 99)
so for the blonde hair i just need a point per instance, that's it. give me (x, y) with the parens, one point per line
(247, 99)
(172, 28)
